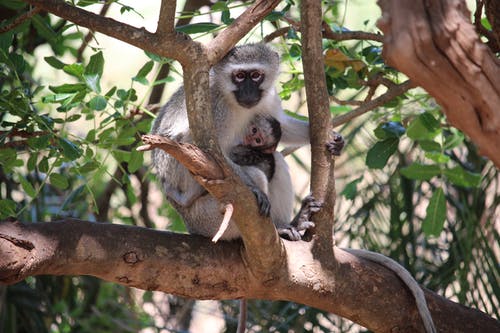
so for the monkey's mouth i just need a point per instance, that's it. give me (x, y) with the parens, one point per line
(249, 104)
(248, 99)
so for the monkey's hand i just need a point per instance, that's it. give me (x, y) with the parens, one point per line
(302, 220)
(262, 201)
(336, 145)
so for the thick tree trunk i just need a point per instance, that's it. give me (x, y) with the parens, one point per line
(435, 44)
(193, 266)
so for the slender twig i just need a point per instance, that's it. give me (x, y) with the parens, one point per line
(20, 19)
(342, 102)
(224, 41)
(275, 34)
(348, 35)
(395, 91)
(90, 34)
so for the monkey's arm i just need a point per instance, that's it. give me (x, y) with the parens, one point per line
(295, 132)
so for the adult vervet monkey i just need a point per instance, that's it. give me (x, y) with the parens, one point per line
(241, 87)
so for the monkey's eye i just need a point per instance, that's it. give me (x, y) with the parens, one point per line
(254, 130)
(258, 140)
(256, 76)
(239, 76)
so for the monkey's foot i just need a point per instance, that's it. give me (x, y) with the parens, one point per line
(303, 219)
(262, 201)
(336, 145)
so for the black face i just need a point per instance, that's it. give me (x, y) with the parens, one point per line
(248, 92)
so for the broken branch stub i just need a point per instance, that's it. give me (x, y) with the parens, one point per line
(193, 158)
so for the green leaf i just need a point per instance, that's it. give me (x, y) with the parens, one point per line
(141, 75)
(424, 127)
(54, 62)
(461, 177)
(8, 159)
(27, 187)
(39, 142)
(454, 139)
(157, 58)
(18, 62)
(7, 208)
(436, 214)
(430, 146)
(379, 154)
(93, 82)
(43, 166)
(74, 70)
(196, 28)
(6, 41)
(110, 92)
(69, 149)
(32, 162)
(226, 18)
(68, 88)
(98, 103)
(96, 64)
(89, 166)
(136, 161)
(419, 171)
(43, 28)
(59, 181)
(351, 189)
(57, 98)
(437, 157)
(121, 155)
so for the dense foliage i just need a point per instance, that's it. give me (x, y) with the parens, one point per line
(411, 186)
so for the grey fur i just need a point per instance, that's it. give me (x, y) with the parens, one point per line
(200, 211)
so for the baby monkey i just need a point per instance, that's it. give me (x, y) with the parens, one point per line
(259, 145)
(257, 155)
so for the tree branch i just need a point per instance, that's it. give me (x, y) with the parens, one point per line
(20, 19)
(171, 45)
(228, 38)
(192, 266)
(350, 35)
(392, 93)
(263, 250)
(436, 46)
(319, 115)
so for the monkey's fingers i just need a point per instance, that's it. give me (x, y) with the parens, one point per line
(289, 233)
(305, 225)
(336, 145)
(262, 202)
(228, 213)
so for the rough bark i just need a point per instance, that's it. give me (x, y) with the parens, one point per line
(193, 266)
(435, 44)
(322, 177)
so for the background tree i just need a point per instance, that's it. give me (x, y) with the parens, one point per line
(428, 198)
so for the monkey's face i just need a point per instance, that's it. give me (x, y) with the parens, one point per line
(246, 76)
(248, 91)
(262, 134)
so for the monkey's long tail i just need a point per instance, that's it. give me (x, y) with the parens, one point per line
(408, 280)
